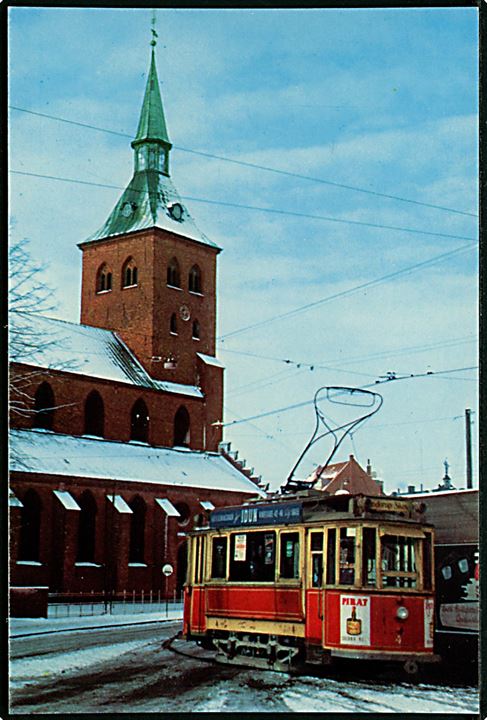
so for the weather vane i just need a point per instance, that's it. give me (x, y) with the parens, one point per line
(153, 29)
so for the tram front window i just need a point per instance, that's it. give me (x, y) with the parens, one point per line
(398, 561)
(347, 556)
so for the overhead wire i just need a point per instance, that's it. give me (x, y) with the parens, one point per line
(303, 403)
(256, 166)
(256, 208)
(350, 291)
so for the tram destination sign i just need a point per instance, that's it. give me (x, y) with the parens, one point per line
(265, 514)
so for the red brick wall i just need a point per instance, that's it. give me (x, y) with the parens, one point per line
(70, 393)
(59, 528)
(141, 315)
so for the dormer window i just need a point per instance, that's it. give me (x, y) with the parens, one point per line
(194, 280)
(103, 279)
(129, 274)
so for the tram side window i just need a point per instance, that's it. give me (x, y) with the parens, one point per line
(289, 565)
(253, 556)
(369, 572)
(331, 557)
(219, 557)
(347, 556)
(398, 561)
(427, 562)
(316, 559)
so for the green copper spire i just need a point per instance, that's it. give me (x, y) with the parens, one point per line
(151, 143)
(150, 199)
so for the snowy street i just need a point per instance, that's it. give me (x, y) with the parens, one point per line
(125, 668)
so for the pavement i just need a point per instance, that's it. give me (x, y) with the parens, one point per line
(20, 627)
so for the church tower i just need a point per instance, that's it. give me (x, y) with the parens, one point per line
(149, 273)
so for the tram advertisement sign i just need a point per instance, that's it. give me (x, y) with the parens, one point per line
(265, 514)
(240, 547)
(354, 620)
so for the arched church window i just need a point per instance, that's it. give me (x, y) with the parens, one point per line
(30, 527)
(94, 414)
(139, 422)
(129, 273)
(181, 428)
(44, 407)
(195, 284)
(86, 528)
(103, 279)
(137, 530)
(196, 330)
(173, 324)
(173, 273)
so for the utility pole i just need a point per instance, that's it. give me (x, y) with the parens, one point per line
(468, 443)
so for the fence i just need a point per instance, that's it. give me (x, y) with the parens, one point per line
(125, 603)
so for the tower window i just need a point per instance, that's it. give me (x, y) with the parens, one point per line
(30, 527)
(173, 325)
(103, 279)
(139, 422)
(196, 330)
(94, 415)
(181, 428)
(86, 528)
(44, 407)
(173, 274)
(129, 273)
(195, 284)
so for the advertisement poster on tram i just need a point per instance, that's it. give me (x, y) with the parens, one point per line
(354, 620)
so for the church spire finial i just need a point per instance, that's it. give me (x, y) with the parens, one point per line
(153, 42)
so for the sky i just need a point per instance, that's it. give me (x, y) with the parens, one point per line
(381, 101)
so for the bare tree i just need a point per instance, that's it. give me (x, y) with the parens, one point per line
(29, 297)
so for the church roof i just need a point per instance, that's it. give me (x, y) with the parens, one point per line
(82, 350)
(48, 453)
(151, 196)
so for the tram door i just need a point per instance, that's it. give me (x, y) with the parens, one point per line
(315, 590)
(197, 612)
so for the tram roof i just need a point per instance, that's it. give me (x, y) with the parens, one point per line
(314, 506)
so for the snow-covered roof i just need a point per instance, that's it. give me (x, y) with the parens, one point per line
(82, 350)
(48, 453)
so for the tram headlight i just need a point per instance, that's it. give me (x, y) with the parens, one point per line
(402, 613)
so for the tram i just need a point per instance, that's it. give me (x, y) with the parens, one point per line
(311, 577)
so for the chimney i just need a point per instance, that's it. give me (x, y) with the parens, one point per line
(369, 468)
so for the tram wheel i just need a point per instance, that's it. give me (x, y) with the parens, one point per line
(411, 667)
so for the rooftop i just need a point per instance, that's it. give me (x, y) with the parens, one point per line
(83, 350)
(48, 453)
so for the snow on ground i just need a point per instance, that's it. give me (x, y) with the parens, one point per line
(24, 626)
(38, 668)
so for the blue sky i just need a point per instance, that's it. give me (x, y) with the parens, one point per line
(384, 100)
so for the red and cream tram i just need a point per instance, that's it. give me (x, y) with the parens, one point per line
(310, 578)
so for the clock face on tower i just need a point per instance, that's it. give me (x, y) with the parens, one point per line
(184, 312)
(127, 209)
(176, 211)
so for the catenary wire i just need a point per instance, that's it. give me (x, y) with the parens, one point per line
(294, 406)
(256, 166)
(349, 291)
(256, 208)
